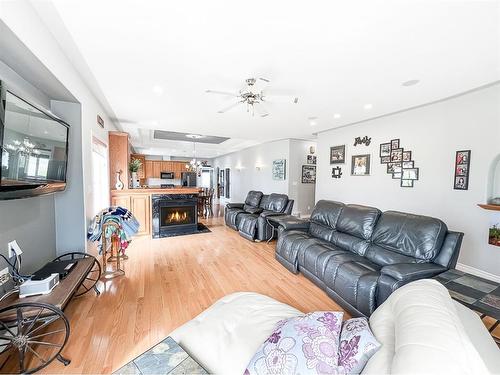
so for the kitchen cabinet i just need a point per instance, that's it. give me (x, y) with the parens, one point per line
(121, 200)
(140, 207)
(148, 168)
(119, 156)
(156, 169)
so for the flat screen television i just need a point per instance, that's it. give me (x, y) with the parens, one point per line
(34, 148)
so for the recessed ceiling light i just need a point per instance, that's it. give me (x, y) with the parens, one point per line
(368, 106)
(336, 115)
(158, 90)
(411, 82)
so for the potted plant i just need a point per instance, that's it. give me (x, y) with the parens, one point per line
(133, 167)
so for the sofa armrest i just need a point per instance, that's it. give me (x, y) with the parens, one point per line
(234, 205)
(412, 271)
(267, 213)
(253, 210)
(289, 222)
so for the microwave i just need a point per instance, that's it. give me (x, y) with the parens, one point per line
(167, 175)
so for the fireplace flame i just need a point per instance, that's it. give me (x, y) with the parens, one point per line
(176, 216)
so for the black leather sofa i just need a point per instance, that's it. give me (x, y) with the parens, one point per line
(360, 255)
(250, 218)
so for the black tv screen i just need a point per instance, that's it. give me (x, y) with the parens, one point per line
(34, 145)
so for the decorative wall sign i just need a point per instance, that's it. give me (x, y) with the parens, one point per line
(360, 165)
(311, 159)
(462, 165)
(365, 140)
(337, 154)
(494, 232)
(336, 172)
(279, 169)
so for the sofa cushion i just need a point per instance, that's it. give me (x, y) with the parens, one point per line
(326, 213)
(231, 217)
(416, 236)
(253, 198)
(357, 345)
(315, 256)
(358, 221)
(276, 202)
(421, 333)
(248, 225)
(224, 337)
(302, 345)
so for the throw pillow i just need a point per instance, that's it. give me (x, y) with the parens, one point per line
(300, 345)
(357, 345)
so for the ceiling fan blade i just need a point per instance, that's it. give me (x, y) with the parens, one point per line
(227, 93)
(281, 98)
(260, 109)
(225, 109)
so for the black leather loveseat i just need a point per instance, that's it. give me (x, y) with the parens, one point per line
(360, 255)
(250, 218)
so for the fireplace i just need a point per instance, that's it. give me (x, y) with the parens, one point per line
(174, 214)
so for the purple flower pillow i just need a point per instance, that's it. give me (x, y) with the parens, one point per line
(300, 345)
(357, 345)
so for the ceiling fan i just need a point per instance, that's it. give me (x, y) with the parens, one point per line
(253, 97)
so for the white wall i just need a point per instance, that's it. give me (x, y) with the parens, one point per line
(23, 20)
(433, 133)
(245, 176)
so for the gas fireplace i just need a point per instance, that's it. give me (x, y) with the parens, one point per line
(174, 214)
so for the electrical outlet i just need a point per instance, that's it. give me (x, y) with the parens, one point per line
(14, 249)
(4, 276)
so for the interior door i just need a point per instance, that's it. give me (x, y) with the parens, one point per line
(228, 184)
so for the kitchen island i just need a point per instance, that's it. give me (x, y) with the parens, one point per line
(139, 202)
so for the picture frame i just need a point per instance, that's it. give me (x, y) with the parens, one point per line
(407, 183)
(397, 155)
(308, 174)
(385, 149)
(394, 144)
(337, 154)
(385, 159)
(408, 164)
(397, 175)
(391, 166)
(311, 159)
(279, 169)
(336, 172)
(410, 174)
(360, 165)
(462, 170)
(406, 156)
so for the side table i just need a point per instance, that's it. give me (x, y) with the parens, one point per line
(166, 357)
(478, 294)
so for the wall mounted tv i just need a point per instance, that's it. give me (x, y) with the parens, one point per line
(34, 148)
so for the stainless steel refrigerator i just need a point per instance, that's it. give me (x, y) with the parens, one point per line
(188, 179)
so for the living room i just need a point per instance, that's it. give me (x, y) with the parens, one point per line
(184, 185)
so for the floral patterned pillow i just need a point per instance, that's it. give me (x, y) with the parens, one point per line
(357, 345)
(301, 345)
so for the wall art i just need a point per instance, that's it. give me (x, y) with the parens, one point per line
(410, 174)
(337, 154)
(308, 174)
(406, 183)
(462, 166)
(336, 172)
(394, 144)
(365, 140)
(311, 159)
(360, 165)
(399, 162)
(385, 150)
(397, 155)
(279, 169)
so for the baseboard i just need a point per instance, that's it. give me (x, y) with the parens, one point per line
(478, 272)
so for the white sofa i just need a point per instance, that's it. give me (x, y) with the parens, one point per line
(422, 331)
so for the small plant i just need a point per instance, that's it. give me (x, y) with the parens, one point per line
(134, 165)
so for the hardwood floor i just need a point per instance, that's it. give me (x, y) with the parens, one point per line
(168, 282)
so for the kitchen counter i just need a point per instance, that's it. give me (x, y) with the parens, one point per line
(176, 190)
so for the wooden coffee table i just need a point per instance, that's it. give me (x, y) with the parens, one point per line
(481, 295)
(166, 357)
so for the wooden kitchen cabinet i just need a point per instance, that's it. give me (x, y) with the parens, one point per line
(148, 168)
(156, 168)
(119, 156)
(140, 207)
(121, 200)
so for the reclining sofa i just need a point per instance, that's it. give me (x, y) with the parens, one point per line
(250, 218)
(360, 255)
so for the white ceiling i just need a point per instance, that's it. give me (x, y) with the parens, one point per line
(336, 56)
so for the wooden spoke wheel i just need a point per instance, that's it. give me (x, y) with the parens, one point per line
(90, 281)
(32, 335)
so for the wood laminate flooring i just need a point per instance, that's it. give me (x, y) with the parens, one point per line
(168, 282)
